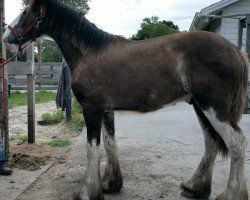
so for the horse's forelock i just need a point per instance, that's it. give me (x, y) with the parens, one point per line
(32, 4)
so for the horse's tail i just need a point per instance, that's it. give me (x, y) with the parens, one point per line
(238, 104)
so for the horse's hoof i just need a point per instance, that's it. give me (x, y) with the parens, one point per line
(221, 197)
(86, 197)
(112, 182)
(198, 192)
(112, 186)
(243, 195)
(187, 194)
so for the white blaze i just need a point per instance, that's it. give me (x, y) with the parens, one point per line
(7, 32)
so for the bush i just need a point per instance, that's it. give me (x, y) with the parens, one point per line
(53, 118)
(59, 143)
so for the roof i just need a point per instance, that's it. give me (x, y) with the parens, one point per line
(200, 20)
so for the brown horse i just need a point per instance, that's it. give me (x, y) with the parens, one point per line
(111, 73)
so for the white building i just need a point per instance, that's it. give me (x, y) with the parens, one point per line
(226, 27)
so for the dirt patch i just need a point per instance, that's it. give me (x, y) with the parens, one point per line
(18, 124)
(30, 156)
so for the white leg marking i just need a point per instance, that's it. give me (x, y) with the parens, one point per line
(12, 47)
(112, 160)
(208, 159)
(200, 182)
(109, 142)
(236, 144)
(93, 170)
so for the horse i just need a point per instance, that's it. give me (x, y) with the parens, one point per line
(112, 73)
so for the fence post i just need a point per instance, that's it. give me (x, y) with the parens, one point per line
(4, 123)
(31, 95)
(248, 53)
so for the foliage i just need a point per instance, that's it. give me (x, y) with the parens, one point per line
(77, 123)
(17, 99)
(59, 143)
(50, 52)
(20, 138)
(20, 99)
(20, 57)
(152, 27)
(53, 118)
(45, 96)
(76, 107)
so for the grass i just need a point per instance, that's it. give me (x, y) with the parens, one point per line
(22, 138)
(76, 107)
(45, 96)
(77, 123)
(53, 118)
(20, 99)
(17, 99)
(59, 143)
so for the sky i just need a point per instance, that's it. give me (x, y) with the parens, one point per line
(123, 17)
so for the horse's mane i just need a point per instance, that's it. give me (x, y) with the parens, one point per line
(74, 27)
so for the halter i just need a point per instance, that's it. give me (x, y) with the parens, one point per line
(33, 26)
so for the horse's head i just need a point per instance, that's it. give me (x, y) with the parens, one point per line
(26, 27)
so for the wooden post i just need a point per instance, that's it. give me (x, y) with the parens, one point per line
(240, 32)
(248, 53)
(248, 35)
(5, 123)
(31, 95)
(39, 47)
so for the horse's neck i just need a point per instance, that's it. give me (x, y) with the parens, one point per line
(74, 34)
(71, 54)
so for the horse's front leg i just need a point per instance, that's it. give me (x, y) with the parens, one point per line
(92, 188)
(112, 180)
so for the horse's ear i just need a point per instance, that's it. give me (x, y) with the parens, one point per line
(34, 5)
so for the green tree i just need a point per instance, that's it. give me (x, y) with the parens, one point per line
(20, 57)
(152, 27)
(50, 52)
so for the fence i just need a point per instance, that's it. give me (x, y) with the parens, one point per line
(46, 75)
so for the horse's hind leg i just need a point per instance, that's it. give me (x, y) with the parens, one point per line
(199, 185)
(236, 144)
(112, 181)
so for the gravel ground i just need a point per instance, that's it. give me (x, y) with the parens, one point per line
(156, 151)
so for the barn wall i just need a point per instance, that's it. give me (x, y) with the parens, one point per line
(230, 28)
